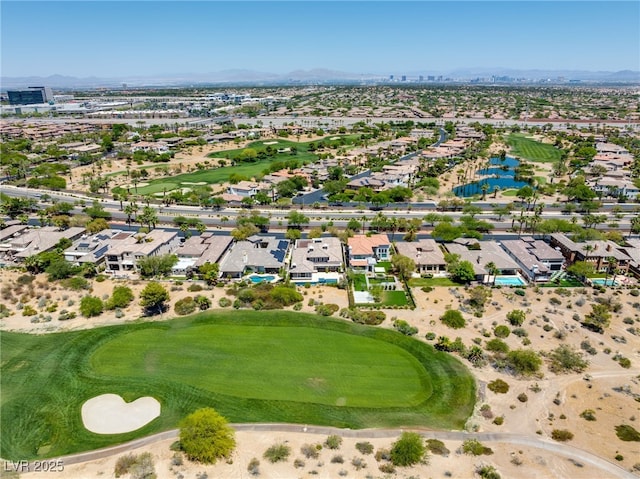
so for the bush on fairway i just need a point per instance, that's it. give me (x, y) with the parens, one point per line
(408, 450)
(206, 437)
(153, 298)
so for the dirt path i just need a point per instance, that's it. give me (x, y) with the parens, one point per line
(570, 452)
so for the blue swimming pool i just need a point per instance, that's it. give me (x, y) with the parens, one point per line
(254, 278)
(603, 282)
(509, 281)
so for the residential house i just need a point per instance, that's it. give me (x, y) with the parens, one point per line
(537, 260)
(259, 254)
(426, 254)
(25, 243)
(123, 258)
(198, 250)
(364, 252)
(317, 260)
(482, 253)
(600, 253)
(94, 249)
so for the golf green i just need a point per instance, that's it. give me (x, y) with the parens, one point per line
(252, 366)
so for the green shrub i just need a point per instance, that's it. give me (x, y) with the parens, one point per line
(488, 472)
(121, 297)
(497, 346)
(205, 436)
(588, 414)
(202, 302)
(91, 306)
(565, 359)
(522, 397)
(409, 449)
(364, 447)
(75, 283)
(435, 446)
(224, 302)
(516, 317)
(501, 331)
(277, 453)
(475, 448)
(194, 288)
(627, 433)
(29, 310)
(326, 309)
(405, 328)
(453, 318)
(519, 292)
(561, 435)
(524, 361)
(499, 420)
(333, 442)
(309, 451)
(498, 386)
(185, 306)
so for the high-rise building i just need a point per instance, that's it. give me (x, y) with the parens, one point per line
(30, 96)
(404, 77)
(391, 77)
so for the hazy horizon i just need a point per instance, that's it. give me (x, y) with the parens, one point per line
(160, 38)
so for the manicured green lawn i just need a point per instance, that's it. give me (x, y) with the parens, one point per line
(530, 149)
(395, 298)
(511, 192)
(420, 282)
(359, 282)
(266, 366)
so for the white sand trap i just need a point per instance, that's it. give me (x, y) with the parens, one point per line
(334, 138)
(198, 183)
(270, 143)
(109, 414)
(131, 185)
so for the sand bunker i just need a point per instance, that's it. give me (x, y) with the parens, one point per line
(197, 183)
(131, 185)
(270, 143)
(109, 414)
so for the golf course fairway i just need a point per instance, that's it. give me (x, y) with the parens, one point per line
(251, 366)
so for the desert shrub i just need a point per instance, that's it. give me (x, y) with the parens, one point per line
(75, 284)
(337, 459)
(627, 433)
(224, 302)
(387, 468)
(475, 448)
(519, 292)
(364, 447)
(624, 362)
(254, 467)
(520, 332)
(286, 296)
(120, 298)
(516, 317)
(29, 310)
(277, 453)
(453, 318)
(25, 279)
(588, 414)
(565, 359)
(383, 454)
(185, 306)
(66, 315)
(522, 397)
(501, 331)
(205, 436)
(409, 449)
(561, 435)
(498, 386)
(370, 317)
(91, 306)
(123, 464)
(194, 288)
(176, 459)
(435, 446)
(202, 302)
(358, 463)
(586, 346)
(497, 346)
(326, 309)
(405, 328)
(298, 463)
(499, 420)
(524, 361)
(309, 451)
(488, 472)
(333, 442)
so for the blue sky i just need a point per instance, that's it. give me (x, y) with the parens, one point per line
(120, 38)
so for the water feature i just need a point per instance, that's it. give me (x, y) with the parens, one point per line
(499, 173)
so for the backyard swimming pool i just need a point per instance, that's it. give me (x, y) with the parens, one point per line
(254, 278)
(603, 282)
(509, 281)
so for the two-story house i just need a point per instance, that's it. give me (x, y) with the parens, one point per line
(312, 259)
(364, 252)
(123, 258)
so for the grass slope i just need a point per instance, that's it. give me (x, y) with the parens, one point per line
(532, 150)
(250, 366)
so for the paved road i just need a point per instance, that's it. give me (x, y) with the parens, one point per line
(570, 452)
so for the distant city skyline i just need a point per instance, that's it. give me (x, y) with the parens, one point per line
(120, 39)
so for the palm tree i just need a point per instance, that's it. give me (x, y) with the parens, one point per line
(130, 210)
(484, 188)
(493, 270)
(496, 189)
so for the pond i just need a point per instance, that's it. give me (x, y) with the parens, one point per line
(501, 173)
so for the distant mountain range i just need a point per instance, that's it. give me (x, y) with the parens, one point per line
(309, 76)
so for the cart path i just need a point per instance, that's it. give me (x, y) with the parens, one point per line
(566, 450)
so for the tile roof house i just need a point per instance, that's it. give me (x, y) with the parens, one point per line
(597, 252)
(537, 260)
(124, 256)
(364, 252)
(426, 254)
(198, 250)
(94, 248)
(316, 255)
(488, 252)
(22, 244)
(260, 254)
